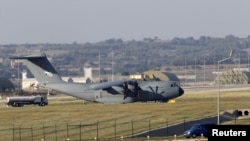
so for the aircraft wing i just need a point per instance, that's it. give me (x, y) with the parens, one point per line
(113, 87)
(106, 85)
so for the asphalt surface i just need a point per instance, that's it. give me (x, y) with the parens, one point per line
(179, 128)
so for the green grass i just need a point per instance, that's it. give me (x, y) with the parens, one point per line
(113, 119)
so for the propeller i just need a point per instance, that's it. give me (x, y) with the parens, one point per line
(130, 87)
(125, 89)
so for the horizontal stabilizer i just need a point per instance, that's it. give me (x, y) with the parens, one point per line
(30, 57)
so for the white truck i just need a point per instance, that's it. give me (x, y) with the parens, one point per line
(19, 101)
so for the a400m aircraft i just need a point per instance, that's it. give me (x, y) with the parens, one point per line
(118, 91)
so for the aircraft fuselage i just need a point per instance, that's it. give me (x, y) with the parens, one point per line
(157, 91)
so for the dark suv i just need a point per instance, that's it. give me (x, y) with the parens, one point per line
(200, 129)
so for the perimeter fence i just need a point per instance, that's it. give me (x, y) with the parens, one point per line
(133, 130)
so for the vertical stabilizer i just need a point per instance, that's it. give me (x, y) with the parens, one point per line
(41, 69)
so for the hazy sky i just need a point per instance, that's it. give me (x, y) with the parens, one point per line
(67, 21)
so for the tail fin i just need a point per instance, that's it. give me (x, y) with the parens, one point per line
(41, 68)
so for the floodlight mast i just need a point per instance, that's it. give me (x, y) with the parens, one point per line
(218, 93)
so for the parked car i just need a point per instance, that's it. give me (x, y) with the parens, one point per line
(200, 129)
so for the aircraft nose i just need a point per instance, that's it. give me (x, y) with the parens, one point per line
(181, 91)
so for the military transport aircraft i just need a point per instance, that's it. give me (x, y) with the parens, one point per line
(118, 91)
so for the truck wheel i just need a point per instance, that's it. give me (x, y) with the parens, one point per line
(13, 104)
(20, 105)
(42, 104)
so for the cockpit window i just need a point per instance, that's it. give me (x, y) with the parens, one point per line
(175, 84)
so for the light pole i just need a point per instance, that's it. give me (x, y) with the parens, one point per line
(185, 71)
(204, 68)
(195, 69)
(99, 59)
(247, 61)
(218, 92)
(112, 73)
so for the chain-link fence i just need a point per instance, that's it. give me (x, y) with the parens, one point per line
(133, 130)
